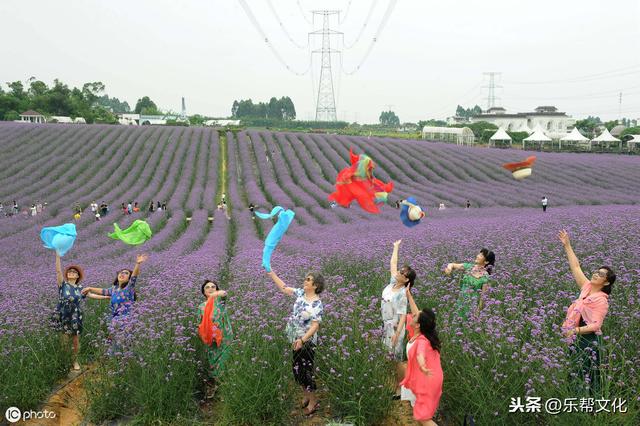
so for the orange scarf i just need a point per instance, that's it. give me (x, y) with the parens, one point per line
(208, 330)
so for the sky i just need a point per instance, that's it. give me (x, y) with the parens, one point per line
(429, 57)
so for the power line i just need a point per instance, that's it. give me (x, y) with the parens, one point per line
(383, 23)
(629, 70)
(256, 24)
(491, 96)
(364, 26)
(284, 30)
(304, 15)
(341, 21)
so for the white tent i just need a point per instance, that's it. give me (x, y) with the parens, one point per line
(459, 135)
(501, 136)
(575, 137)
(605, 137)
(537, 136)
(634, 142)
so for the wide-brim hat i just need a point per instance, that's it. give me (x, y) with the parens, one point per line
(521, 169)
(77, 268)
(410, 212)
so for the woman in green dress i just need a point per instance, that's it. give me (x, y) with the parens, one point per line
(219, 350)
(474, 281)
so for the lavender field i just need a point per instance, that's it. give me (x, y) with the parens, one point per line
(152, 370)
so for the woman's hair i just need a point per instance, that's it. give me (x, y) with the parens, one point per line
(611, 278)
(318, 281)
(427, 322)
(116, 283)
(207, 282)
(490, 257)
(410, 274)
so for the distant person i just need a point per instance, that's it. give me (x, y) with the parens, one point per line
(252, 210)
(94, 207)
(38, 206)
(103, 209)
(441, 206)
(159, 206)
(468, 204)
(151, 207)
(16, 209)
(1, 209)
(33, 210)
(164, 206)
(129, 208)
(97, 215)
(124, 209)
(544, 203)
(136, 209)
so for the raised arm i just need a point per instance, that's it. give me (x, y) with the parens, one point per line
(97, 296)
(59, 277)
(393, 266)
(574, 263)
(140, 259)
(453, 267)
(412, 303)
(281, 285)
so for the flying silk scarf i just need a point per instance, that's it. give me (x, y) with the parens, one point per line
(59, 238)
(208, 330)
(521, 169)
(285, 217)
(136, 234)
(357, 183)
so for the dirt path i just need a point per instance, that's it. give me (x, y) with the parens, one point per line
(65, 401)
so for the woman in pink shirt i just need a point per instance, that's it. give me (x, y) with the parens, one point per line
(585, 317)
(424, 373)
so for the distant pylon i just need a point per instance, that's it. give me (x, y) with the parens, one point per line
(183, 115)
(326, 104)
(491, 96)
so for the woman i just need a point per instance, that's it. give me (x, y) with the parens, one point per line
(394, 311)
(424, 372)
(151, 207)
(123, 291)
(474, 281)
(302, 330)
(68, 315)
(585, 316)
(218, 351)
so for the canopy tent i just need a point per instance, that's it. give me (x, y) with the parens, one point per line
(499, 136)
(459, 135)
(575, 137)
(537, 136)
(633, 143)
(604, 137)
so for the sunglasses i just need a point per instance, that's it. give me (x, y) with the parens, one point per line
(124, 272)
(74, 271)
(210, 286)
(600, 274)
(308, 279)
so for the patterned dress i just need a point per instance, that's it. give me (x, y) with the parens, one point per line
(68, 314)
(304, 313)
(121, 298)
(470, 287)
(394, 305)
(218, 355)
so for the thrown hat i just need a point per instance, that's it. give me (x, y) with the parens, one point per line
(522, 169)
(410, 212)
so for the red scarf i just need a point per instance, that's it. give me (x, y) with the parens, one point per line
(208, 330)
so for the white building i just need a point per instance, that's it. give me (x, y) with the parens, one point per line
(222, 123)
(32, 117)
(129, 119)
(554, 123)
(457, 135)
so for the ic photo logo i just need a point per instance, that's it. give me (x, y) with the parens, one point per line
(13, 415)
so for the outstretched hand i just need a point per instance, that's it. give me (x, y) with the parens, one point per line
(141, 258)
(448, 269)
(397, 243)
(563, 236)
(85, 291)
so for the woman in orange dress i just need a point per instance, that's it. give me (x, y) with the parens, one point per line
(424, 373)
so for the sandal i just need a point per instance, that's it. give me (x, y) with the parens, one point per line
(304, 404)
(311, 412)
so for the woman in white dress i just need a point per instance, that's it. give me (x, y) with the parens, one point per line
(394, 311)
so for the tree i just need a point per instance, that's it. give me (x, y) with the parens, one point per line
(469, 112)
(146, 106)
(389, 119)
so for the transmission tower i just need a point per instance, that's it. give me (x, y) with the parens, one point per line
(183, 114)
(326, 105)
(491, 97)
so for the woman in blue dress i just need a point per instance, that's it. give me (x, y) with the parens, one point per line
(68, 314)
(123, 291)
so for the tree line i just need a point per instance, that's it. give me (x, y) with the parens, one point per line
(281, 109)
